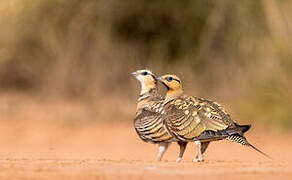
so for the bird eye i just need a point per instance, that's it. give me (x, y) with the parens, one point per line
(144, 73)
(169, 78)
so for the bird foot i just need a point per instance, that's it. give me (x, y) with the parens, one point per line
(178, 159)
(197, 159)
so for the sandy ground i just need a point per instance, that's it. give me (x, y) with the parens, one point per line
(115, 152)
(37, 144)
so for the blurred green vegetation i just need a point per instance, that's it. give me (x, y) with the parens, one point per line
(236, 52)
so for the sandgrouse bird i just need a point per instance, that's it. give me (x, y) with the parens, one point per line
(196, 119)
(147, 122)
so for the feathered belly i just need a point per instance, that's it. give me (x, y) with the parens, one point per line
(152, 131)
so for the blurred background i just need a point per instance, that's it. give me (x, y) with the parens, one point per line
(67, 63)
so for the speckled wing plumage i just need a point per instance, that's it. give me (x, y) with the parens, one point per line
(148, 120)
(190, 118)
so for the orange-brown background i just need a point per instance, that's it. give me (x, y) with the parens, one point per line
(66, 90)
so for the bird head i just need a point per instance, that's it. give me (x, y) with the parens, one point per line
(146, 78)
(173, 85)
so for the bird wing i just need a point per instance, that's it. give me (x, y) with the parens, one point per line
(188, 117)
(149, 126)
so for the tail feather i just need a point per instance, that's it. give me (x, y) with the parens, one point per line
(243, 128)
(259, 151)
(242, 140)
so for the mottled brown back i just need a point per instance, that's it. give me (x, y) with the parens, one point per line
(191, 118)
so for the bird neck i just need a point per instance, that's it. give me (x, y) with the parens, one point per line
(173, 93)
(146, 97)
(146, 88)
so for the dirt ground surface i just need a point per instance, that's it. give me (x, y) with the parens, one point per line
(115, 152)
(41, 140)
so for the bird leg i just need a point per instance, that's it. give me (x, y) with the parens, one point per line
(201, 147)
(182, 148)
(204, 146)
(162, 147)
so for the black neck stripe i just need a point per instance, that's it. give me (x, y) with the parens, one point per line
(165, 86)
(154, 78)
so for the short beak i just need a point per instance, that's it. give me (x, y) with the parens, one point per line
(162, 81)
(134, 74)
(159, 79)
